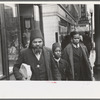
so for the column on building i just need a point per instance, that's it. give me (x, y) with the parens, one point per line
(51, 23)
(36, 16)
(97, 42)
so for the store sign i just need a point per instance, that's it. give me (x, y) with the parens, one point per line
(81, 28)
(83, 22)
(83, 19)
(83, 12)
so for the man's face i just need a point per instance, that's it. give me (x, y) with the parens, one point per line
(76, 39)
(57, 53)
(37, 43)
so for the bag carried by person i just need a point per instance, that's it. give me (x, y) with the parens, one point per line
(25, 70)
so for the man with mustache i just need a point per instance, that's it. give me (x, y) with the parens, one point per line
(39, 58)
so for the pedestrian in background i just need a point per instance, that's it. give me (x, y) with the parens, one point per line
(26, 38)
(87, 42)
(65, 41)
(77, 56)
(61, 64)
(38, 57)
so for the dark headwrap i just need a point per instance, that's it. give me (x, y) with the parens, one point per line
(55, 45)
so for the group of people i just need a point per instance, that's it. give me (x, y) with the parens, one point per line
(84, 38)
(72, 63)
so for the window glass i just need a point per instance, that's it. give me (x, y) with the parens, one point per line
(12, 31)
(0, 58)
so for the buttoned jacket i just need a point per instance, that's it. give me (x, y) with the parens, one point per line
(26, 56)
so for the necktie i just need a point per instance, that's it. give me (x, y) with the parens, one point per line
(58, 64)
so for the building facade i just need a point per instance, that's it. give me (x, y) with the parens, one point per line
(83, 23)
(58, 21)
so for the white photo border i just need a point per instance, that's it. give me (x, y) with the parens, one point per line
(49, 89)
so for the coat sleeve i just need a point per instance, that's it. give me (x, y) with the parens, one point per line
(16, 67)
(68, 73)
(65, 55)
(89, 67)
(88, 57)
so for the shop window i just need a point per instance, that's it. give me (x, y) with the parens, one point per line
(12, 33)
(1, 72)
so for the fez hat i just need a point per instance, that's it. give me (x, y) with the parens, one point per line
(55, 45)
(36, 33)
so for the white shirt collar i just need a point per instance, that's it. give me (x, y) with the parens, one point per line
(76, 46)
(38, 55)
(57, 59)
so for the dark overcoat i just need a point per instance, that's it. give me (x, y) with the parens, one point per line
(67, 54)
(64, 69)
(26, 56)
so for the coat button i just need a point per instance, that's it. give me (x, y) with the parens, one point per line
(38, 66)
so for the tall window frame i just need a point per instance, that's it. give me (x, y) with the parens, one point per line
(4, 43)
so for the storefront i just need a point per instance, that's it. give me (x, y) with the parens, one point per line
(15, 21)
(57, 22)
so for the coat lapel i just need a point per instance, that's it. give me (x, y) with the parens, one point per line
(32, 55)
(70, 53)
(84, 53)
(86, 57)
(47, 62)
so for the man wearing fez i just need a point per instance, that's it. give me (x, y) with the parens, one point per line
(39, 58)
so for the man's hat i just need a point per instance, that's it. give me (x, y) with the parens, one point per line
(36, 33)
(55, 45)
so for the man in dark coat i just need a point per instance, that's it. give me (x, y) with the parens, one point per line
(39, 58)
(77, 55)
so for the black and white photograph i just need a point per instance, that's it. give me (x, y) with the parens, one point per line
(44, 45)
